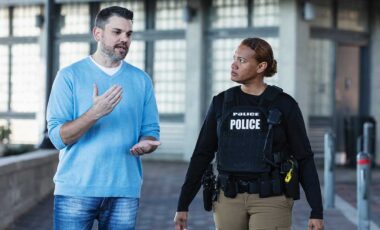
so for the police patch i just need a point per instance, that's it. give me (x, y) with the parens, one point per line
(245, 121)
(251, 124)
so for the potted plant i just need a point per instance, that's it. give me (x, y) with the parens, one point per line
(4, 138)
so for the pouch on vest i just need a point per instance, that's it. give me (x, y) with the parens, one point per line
(271, 184)
(291, 180)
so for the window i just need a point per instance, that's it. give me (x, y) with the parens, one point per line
(25, 131)
(27, 92)
(24, 21)
(71, 52)
(169, 76)
(169, 14)
(136, 54)
(4, 75)
(76, 19)
(4, 22)
(229, 14)
(352, 15)
(134, 5)
(321, 61)
(27, 78)
(266, 13)
(222, 52)
(22, 80)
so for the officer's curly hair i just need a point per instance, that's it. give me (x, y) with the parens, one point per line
(102, 17)
(263, 53)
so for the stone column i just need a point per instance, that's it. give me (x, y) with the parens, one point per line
(294, 74)
(194, 73)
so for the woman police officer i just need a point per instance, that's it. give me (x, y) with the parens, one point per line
(262, 147)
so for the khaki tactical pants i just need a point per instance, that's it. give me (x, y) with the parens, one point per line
(249, 212)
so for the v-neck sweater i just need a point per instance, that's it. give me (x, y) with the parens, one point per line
(99, 163)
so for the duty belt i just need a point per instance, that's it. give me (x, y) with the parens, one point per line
(249, 187)
(242, 186)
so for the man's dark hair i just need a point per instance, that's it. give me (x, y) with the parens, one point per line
(103, 15)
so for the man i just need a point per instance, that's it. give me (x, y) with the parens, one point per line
(102, 115)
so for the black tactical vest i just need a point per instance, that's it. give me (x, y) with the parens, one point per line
(242, 134)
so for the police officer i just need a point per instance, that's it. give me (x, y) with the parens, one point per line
(262, 151)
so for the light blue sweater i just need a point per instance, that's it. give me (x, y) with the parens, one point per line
(100, 164)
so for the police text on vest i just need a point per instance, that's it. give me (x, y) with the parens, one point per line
(244, 124)
(245, 114)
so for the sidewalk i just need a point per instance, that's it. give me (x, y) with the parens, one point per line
(162, 182)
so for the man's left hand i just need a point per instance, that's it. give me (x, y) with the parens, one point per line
(316, 224)
(144, 147)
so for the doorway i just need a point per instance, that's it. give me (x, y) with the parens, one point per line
(347, 97)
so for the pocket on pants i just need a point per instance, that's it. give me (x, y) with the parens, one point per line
(289, 201)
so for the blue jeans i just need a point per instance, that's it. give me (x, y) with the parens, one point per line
(79, 213)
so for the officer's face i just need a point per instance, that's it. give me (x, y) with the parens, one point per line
(114, 40)
(245, 68)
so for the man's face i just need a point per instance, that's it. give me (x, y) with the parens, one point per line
(114, 40)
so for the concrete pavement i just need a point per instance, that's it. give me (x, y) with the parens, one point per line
(162, 182)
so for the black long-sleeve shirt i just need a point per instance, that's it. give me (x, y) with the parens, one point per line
(291, 133)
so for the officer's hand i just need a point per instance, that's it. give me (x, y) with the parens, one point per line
(180, 220)
(316, 224)
(104, 104)
(144, 146)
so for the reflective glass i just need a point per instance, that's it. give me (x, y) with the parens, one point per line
(27, 78)
(266, 13)
(71, 52)
(136, 6)
(321, 70)
(229, 13)
(28, 92)
(136, 54)
(4, 22)
(222, 52)
(76, 19)
(169, 14)
(4, 76)
(169, 76)
(25, 131)
(24, 20)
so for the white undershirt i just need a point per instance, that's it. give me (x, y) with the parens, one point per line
(109, 71)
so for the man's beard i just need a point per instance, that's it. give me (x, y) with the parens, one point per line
(111, 52)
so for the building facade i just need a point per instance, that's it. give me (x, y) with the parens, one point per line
(328, 54)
